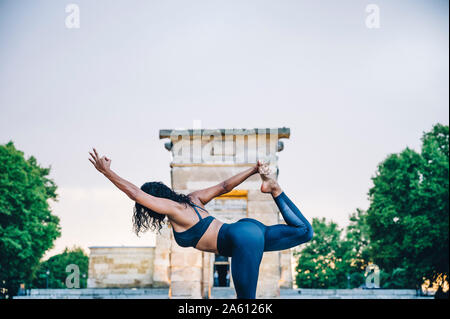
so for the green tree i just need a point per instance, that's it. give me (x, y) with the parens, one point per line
(27, 226)
(56, 266)
(321, 262)
(408, 217)
(358, 239)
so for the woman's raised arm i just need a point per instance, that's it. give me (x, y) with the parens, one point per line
(207, 194)
(157, 204)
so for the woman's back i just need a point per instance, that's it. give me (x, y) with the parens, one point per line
(191, 236)
(201, 233)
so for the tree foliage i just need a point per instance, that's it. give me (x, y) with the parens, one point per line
(335, 258)
(27, 226)
(357, 241)
(404, 231)
(321, 262)
(408, 215)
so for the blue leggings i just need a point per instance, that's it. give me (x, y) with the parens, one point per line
(246, 240)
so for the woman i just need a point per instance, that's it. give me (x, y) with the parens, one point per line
(244, 241)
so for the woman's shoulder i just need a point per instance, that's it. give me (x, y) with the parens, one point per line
(196, 201)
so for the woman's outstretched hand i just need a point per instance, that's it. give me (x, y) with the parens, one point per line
(102, 164)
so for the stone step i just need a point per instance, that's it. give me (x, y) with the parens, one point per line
(305, 293)
(93, 293)
(102, 291)
(220, 293)
(363, 292)
(93, 297)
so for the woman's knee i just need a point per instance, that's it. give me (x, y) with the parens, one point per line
(305, 233)
(309, 234)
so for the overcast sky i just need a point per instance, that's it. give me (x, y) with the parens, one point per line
(350, 94)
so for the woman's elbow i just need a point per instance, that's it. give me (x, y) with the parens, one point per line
(134, 194)
(225, 187)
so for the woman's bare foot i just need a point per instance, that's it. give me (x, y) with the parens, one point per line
(269, 184)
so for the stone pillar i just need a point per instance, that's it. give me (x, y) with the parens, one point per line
(286, 280)
(203, 158)
(185, 272)
(161, 271)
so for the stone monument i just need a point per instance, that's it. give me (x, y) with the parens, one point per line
(202, 158)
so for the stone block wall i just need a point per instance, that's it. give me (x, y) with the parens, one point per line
(121, 267)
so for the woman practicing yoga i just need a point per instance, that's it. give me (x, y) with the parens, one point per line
(244, 241)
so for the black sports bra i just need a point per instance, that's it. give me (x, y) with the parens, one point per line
(191, 236)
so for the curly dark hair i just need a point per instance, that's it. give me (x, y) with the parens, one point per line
(145, 218)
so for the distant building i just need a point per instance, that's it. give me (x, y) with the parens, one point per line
(121, 267)
(202, 158)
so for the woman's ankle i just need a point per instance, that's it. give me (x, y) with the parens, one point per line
(276, 191)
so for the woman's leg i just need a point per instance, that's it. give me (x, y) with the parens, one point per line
(297, 231)
(280, 237)
(247, 250)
